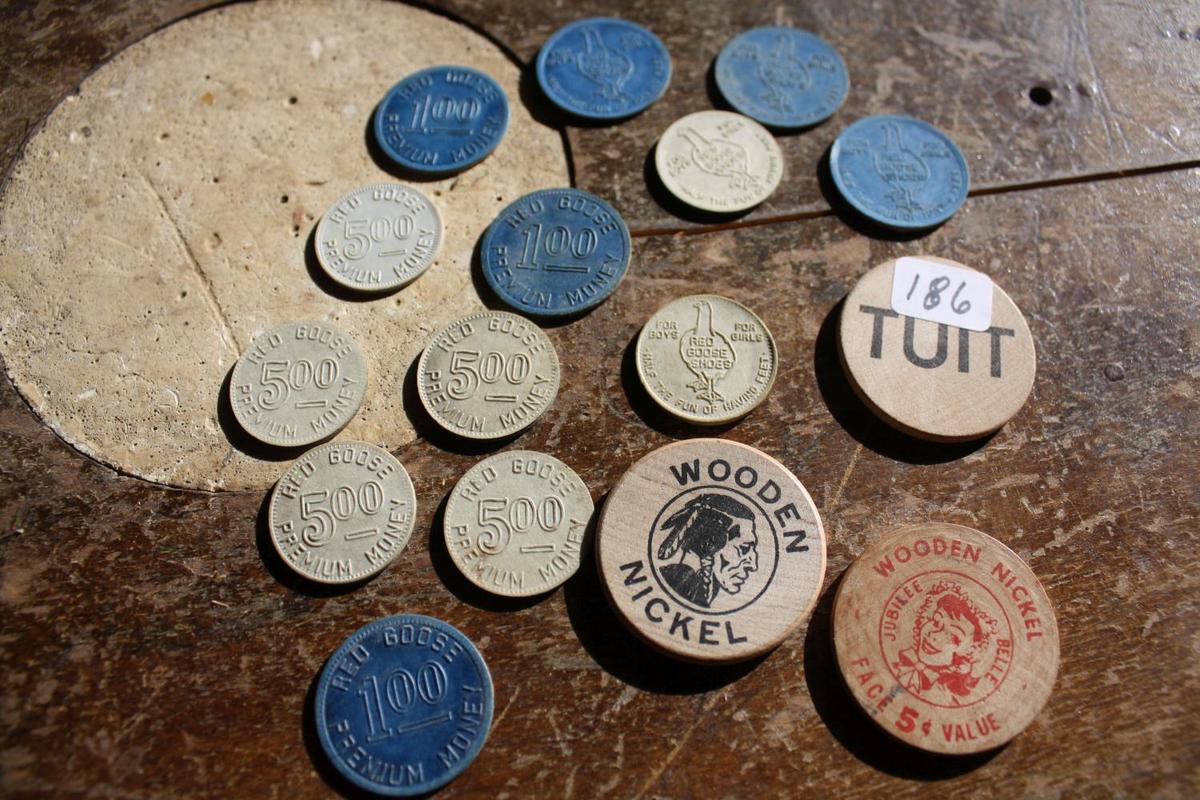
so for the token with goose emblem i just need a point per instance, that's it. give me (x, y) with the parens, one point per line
(718, 161)
(706, 359)
(899, 172)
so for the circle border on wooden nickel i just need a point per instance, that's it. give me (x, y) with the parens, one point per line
(321, 509)
(321, 237)
(688, 503)
(423, 362)
(943, 579)
(643, 346)
(259, 344)
(772, 153)
(912, 400)
(573, 530)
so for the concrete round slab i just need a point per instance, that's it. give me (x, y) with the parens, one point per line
(161, 219)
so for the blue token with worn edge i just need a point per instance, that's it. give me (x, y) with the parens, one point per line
(441, 119)
(555, 252)
(900, 172)
(782, 77)
(404, 705)
(603, 68)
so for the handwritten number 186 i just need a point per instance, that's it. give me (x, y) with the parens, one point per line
(934, 296)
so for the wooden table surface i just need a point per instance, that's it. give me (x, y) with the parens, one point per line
(150, 646)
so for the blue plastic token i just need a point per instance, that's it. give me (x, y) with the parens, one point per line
(441, 119)
(603, 68)
(555, 252)
(782, 77)
(900, 172)
(404, 705)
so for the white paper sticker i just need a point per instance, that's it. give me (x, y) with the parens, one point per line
(938, 292)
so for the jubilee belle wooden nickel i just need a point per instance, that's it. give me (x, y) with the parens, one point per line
(930, 379)
(946, 638)
(710, 550)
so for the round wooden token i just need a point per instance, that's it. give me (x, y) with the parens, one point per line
(711, 551)
(946, 638)
(931, 379)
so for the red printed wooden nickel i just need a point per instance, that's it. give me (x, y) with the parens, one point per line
(946, 638)
(711, 550)
(930, 378)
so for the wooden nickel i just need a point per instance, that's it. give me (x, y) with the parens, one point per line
(711, 551)
(932, 380)
(946, 638)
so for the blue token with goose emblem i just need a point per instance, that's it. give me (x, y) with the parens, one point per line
(899, 172)
(404, 705)
(603, 68)
(782, 77)
(441, 119)
(555, 252)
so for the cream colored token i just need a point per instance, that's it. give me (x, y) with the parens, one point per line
(719, 161)
(931, 379)
(488, 375)
(946, 638)
(515, 523)
(711, 550)
(706, 359)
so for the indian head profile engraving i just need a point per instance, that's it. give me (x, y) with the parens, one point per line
(955, 642)
(712, 548)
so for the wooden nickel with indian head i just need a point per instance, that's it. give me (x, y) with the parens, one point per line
(711, 551)
(926, 372)
(946, 638)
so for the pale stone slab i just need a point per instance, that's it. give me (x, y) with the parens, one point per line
(159, 221)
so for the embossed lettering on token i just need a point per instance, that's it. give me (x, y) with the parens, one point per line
(706, 359)
(515, 523)
(900, 172)
(342, 512)
(404, 705)
(931, 379)
(488, 375)
(603, 68)
(442, 119)
(555, 252)
(298, 384)
(718, 161)
(711, 550)
(379, 237)
(945, 638)
(782, 77)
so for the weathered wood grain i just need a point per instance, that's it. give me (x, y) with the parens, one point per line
(151, 647)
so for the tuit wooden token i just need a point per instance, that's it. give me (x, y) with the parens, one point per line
(946, 638)
(711, 551)
(926, 375)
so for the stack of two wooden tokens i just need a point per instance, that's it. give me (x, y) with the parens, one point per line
(712, 551)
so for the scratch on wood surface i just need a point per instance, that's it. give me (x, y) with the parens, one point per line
(683, 740)
(210, 295)
(837, 495)
(507, 706)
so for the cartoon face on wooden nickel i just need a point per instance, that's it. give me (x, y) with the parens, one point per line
(515, 523)
(945, 638)
(298, 384)
(379, 237)
(342, 512)
(488, 375)
(932, 379)
(711, 550)
(706, 359)
(719, 161)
